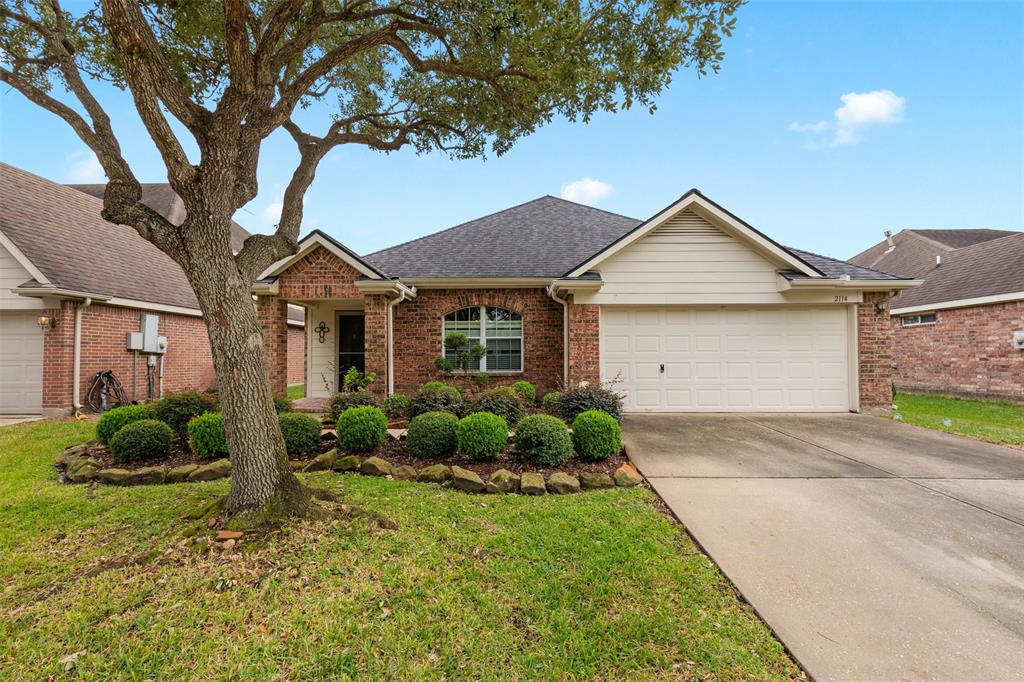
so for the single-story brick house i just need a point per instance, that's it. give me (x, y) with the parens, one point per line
(690, 310)
(91, 283)
(962, 332)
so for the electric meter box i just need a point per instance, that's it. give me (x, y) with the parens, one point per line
(147, 340)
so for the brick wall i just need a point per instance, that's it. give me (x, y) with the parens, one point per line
(273, 314)
(375, 341)
(418, 335)
(875, 344)
(584, 343)
(967, 352)
(319, 275)
(296, 355)
(187, 363)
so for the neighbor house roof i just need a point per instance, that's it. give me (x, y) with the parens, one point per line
(974, 263)
(161, 198)
(835, 268)
(59, 230)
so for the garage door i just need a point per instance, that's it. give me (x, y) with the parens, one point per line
(21, 363)
(672, 359)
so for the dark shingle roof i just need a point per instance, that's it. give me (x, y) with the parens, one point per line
(915, 250)
(545, 237)
(59, 229)
(958, 239)
(988, 268)
(161, 198)
(831, 267)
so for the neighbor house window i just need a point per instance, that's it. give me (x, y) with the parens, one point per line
(915, 320)
(499, 330)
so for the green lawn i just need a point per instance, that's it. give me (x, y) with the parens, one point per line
(997, 422)
(597, 585)
(296, 391)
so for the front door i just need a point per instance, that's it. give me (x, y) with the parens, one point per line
(351, 352)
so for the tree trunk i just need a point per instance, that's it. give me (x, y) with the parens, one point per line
(262, 482)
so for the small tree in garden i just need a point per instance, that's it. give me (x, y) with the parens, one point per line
(465, 353)
(212, 81)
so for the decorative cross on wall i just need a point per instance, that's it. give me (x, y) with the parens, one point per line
(321, 330)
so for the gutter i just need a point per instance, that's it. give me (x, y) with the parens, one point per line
(76, 381)
(553, 293)
(391, 339)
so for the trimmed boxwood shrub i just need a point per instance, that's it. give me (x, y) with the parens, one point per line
(436, 400)
(596, 435)
(526, 391)
(342, 401)
(579, 399)
(396, 406)
(500, 401)
(114, 420)
(482, 435)
(552, 403)
(142, 439)
(301, 432)
(432, 434)
(362, 429)
(282, 404)
(441, 386)
(206, 436)
(543, 440)
(179, 409)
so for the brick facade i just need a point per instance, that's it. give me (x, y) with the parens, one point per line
(967, 352)
(187, 363)
(875, 355)
(296, 355)
(584, 343)
(273, 314)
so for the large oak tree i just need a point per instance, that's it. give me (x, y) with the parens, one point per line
(461, 76)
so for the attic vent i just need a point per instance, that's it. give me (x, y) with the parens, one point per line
(688, 224)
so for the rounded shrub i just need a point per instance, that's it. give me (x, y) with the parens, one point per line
(432, 434)
(114, 420)
(596, 435)
(552, 403)
(142, 439)
(282, 404)
(362, 429)
(179, 409)
(441, 386)
(206, 436)
(396, 406)
(343, 401)
(436, 400)
(500, 401)
(301, 432)
(526, 391)
(543, 440)
(579, 399)
(482, 435)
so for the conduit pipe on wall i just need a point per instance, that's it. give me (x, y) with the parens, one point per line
(391, 342)
(565, 331)
(76, 380)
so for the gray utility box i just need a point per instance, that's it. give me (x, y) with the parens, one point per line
(147, 340)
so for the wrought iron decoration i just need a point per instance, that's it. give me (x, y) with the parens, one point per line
(321, 330)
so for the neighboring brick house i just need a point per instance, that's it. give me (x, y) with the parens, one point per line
(962, 332)
(690, 310)
(91, 283)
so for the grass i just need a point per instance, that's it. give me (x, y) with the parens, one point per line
(296, 391)
(996, 422)
(598, 585)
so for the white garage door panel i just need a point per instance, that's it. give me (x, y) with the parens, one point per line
(21, 363)
(727, 359)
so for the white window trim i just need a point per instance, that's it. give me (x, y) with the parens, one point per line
(483, 339)
(904, 323)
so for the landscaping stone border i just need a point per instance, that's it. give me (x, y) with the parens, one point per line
(78, 467)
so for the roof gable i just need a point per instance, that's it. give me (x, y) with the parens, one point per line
(695, 202)
(317, 239)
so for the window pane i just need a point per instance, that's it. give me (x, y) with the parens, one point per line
(501, 322)
(465, 321)
(504, 355)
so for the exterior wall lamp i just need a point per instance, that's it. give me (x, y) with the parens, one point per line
(46, 322)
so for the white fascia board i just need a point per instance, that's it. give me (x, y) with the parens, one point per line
(862, 284)
(961, 303)
(720, 218)
(22, 259)
(478, 282)
(573, 285)
(385, 286)
(266, 288)
(312, 241)
(56, 292)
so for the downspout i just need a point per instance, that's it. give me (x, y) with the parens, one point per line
(565, 332)
(76, 381)
(391, 343)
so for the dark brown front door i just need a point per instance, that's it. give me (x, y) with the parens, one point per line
(351, 350)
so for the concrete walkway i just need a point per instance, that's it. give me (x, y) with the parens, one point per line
(875, 550)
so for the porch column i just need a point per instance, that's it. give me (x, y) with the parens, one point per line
(875, 352)
(273, 314)
(375, 341)
(584, 343)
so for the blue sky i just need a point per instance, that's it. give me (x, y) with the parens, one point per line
(931, 134)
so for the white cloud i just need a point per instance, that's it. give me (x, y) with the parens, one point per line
(84, 168)
(586, 191)
(860, 110)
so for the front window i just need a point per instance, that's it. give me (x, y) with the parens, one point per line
(916, 320)
(499, 330)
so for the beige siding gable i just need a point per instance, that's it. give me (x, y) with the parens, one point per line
(13, 274)
(687, 260)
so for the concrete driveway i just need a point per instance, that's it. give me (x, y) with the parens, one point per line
(876, 550)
